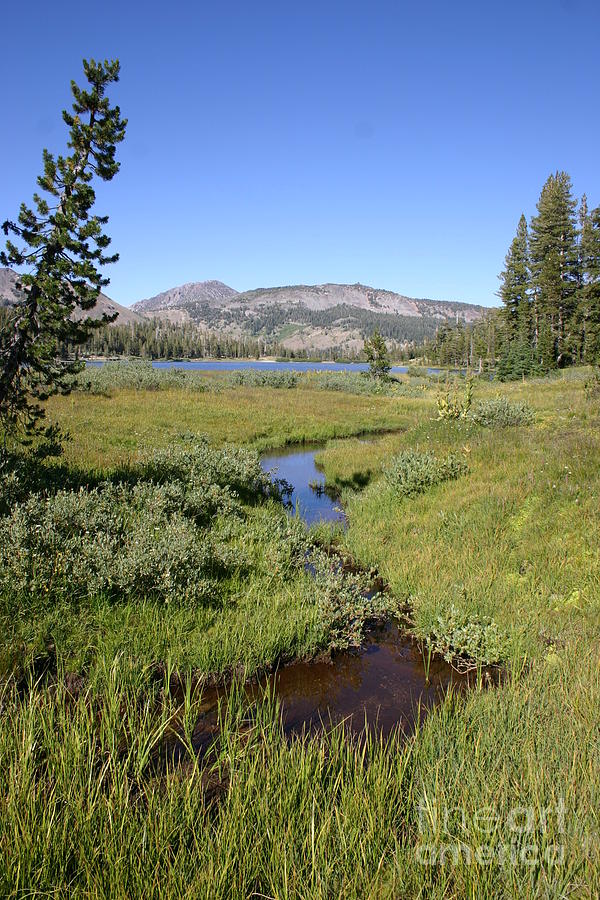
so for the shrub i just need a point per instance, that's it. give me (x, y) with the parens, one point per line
(467, 639)
(257, 378)
(138, 375)
(500, 412)
(141, 536)
(591, 385)
(451, 406)
(359, 383)
(114, 541)
(411, 472)
(196, 463)
(347, 603)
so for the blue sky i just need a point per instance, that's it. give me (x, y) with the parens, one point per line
(394, 144)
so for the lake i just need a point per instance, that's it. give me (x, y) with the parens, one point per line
(230, 365)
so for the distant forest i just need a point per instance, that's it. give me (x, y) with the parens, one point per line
(271, 318)
(159, 339)
(550, 292)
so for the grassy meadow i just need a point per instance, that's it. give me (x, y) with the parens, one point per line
(149, 551)
(107, 430)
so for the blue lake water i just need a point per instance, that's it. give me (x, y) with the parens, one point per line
(230, 365)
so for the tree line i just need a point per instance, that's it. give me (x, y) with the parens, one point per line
(159, 339)
(550, 292)
(156, 339)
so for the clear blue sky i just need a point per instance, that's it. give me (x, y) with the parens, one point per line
(394, 144)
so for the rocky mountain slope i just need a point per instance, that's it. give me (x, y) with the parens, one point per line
(307, 316)
(298, 317)
(9, 296)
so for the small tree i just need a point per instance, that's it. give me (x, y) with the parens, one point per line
(60, 244)
(377, 356)
(515, 282)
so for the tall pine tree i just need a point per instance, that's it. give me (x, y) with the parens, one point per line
(60, 245)
(554, 268)
(589, 300)
(515, 280)
(517, 359)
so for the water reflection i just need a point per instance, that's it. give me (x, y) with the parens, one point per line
(298, 468)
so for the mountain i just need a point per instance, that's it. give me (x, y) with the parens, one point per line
(8, 292)
(328, 296)
(298, 317)
(9, 296)
(307, 316)
(179, 304)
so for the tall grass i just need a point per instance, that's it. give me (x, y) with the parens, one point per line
(92, 805)
(498, 792)
(117, 428)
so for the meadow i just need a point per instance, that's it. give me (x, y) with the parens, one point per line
(155, 406)
(149, 561)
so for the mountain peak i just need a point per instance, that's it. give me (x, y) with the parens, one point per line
(213, 293)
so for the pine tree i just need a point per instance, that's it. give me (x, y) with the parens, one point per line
(377, 356)
(61, 245)
(554, 266)
(516, 281)
(516, 359)
(589, 303)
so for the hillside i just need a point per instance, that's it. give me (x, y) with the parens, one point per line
(9, 296)
(297, 317)
(306, 316)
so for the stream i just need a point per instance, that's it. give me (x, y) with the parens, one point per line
(382, 687)
(297, 466)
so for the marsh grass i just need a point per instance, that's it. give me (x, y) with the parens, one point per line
(93, 813)
(87, 810)
(116, 429)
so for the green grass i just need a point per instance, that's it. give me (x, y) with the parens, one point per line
(83, 811)
(109, 430)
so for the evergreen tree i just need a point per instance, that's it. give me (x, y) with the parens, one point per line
(554, 267)
(60, 244)
(589, 303)
(377, 356)
(516, 281)
(516, 359)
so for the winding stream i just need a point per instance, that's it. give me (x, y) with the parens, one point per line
(382, 687)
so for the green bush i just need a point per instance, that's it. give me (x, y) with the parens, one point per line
(347, 602)
(359, 383)
(114, 541)
(411, 472)
(257, 378)
(194, 462)
(466, 639)
(139, 375)
(141, 535)
(499, 412)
